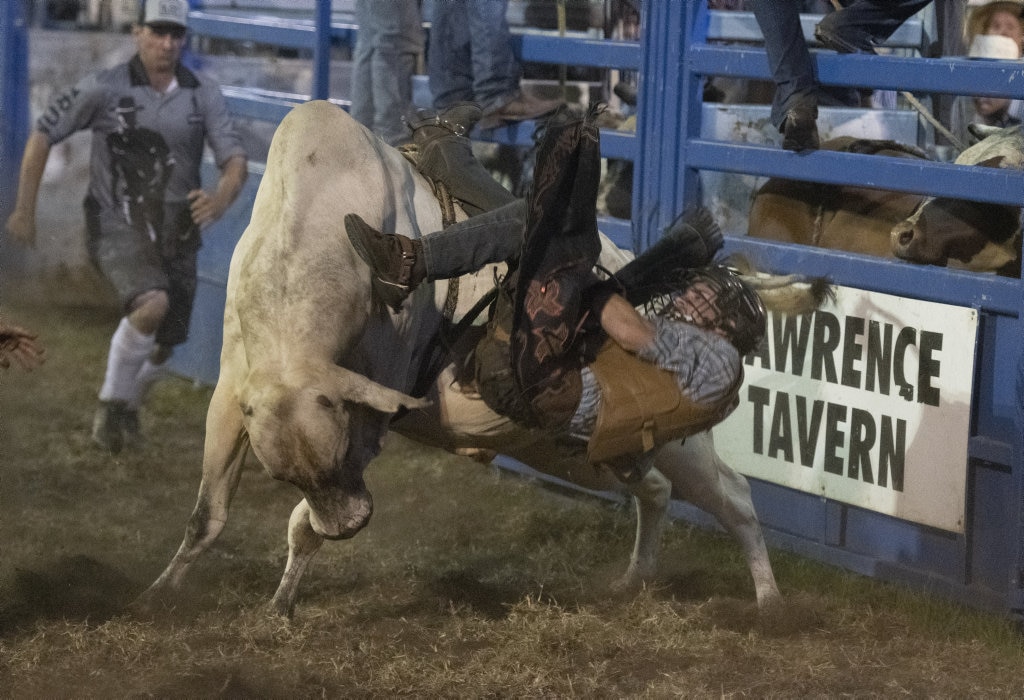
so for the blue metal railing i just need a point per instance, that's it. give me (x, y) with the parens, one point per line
(14, 87)
(985, 565)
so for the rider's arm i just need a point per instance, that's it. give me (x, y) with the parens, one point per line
(706, 365)
(625, 325)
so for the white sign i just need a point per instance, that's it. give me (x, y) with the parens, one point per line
(867, 401)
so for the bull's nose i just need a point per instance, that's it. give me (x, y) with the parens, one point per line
(340, 525)
(901, 236)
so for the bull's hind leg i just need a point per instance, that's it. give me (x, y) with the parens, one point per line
(651, 496)
(303, 543)
(699, 475)
(224, 452)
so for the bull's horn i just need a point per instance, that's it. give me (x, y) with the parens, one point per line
(785, 294)
(791, 294)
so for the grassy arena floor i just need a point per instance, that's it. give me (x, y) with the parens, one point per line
(468, 582)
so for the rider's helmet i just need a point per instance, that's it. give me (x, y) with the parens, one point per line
(714, 297)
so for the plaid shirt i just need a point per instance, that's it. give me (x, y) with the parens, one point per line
(706, 365)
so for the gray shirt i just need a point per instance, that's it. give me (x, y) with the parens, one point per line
(144, 144)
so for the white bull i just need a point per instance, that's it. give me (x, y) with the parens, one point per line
(313, 367)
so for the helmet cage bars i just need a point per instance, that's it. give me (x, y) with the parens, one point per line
(721, 301)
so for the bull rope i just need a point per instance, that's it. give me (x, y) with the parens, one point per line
(447, 331)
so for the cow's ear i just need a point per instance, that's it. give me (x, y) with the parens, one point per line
(352, 386)
(993, 162)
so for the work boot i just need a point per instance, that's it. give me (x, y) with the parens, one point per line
(800, 128)
(626, 92)
(106, 426)
(850, 40)
(131, 431)
(396, 262)
(518, 109)
(690, 241)
(459, 119)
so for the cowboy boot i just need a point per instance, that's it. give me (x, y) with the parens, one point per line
(458, 119)
(395, 261)
(446, 155)
(690, 241)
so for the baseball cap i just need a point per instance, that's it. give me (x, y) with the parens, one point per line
(165, 12)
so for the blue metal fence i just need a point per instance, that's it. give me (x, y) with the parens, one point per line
(14, 88)
(985, 565)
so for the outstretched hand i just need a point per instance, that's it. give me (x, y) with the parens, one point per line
(21, 228)
(206, 208)
(20, 345)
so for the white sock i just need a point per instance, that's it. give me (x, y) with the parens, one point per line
(148, 375)
(128, 350)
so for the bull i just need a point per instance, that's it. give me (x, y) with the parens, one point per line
(944, 231)
(314, 368)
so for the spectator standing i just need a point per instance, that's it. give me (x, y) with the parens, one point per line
(1002, 17)
(388, 49)
(999, 18)
(470, 59)
(145, 208)
(987, 111)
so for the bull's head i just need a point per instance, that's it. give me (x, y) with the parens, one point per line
(960, 233)
(317, 430)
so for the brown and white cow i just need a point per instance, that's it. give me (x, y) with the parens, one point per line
(314, 368)
(961, 233)
(926, 230)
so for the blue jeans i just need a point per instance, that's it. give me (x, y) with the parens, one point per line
(466, 246)
(877, 19)
(388, 45)
(470, 56)
(788, 57)
(790, 61)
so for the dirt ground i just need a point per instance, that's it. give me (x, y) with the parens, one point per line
(468, 582)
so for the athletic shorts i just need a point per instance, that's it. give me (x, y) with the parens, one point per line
(134, 263)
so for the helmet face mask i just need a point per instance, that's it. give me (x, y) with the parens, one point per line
(716, 299)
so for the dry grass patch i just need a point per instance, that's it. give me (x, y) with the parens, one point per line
(468, 582)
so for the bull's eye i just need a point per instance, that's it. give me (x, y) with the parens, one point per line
(324, 401)
(247, 410)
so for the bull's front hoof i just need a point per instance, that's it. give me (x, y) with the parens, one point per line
(151, 603)
(279, 607)
(627, 586)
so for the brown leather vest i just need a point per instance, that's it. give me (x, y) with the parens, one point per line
(642, 406)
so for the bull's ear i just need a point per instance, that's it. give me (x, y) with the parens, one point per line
(352, 386)
(993, 162)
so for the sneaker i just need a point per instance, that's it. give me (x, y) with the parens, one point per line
(131, 431)
(106, 426)
(520, 108)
